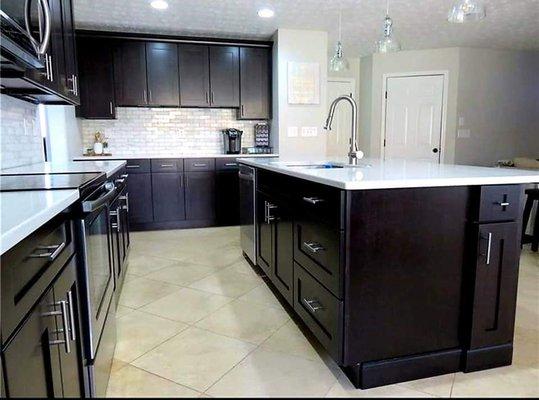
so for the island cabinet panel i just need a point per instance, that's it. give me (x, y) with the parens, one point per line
(140, 197)
(130, 74)
(404, 272)
(168, 196)
(162, 72)
(194, 75)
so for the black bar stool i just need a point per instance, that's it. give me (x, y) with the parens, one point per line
(532, 197)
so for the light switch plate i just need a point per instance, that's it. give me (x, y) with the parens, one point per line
(293, 131)
(463, 133)
(309, 131)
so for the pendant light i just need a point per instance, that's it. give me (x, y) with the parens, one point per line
(338, 62)
(388, 43)
(466, 10)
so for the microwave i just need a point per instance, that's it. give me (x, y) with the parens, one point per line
(25, 27)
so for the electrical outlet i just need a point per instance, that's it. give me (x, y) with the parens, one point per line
(309, 131)
(463, 133)
(293, 131)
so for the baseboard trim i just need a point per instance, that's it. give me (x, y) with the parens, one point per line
(488, 357)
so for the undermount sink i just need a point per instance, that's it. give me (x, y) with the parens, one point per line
(329, 165)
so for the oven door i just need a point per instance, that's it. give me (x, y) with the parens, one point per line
(97, 264)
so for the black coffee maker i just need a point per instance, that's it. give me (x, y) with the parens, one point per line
(232, 140)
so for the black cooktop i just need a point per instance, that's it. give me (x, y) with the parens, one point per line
(85, 182)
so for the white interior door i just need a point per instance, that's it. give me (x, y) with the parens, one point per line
(339, 136)
(413, 119)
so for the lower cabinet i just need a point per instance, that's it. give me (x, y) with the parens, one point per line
(276, 243)
(140, 197)
(200, 195)
(168, 197)
(227, 200)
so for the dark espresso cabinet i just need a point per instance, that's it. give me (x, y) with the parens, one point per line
(140, 197)
(255, 92)
(71, 81)
(162, 74)
(200, 195)
(194, 75)
(96, 79)
(130, 73)
(168, 196)
(224, 76)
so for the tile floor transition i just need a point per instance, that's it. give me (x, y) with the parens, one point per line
(195, 320)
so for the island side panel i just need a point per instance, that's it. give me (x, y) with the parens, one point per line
(404, 272)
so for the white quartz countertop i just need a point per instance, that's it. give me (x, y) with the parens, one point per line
(379, 174)
(109, 167)
(21, 213)
(131, 157)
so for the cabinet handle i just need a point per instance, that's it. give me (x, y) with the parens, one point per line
(65, 324)
(313, 200)
(71, 315)
(116, 213)
(52, 73)
(111, 108)
(207, 99)
(503, 204)
(120, 181)
(167, 165)
(313, 305)
(232, 164)
(313, 247)
(149, 96)
(76, 85)
(212, 101)
(124, 176)
(51, 255)
(126, 199)
(199, 165)
(72, 81)
(489, 247)
(132, 166)
(186, 181)
(144, 97)
(268, 217)
(242, 110)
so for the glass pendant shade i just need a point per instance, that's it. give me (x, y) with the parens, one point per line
(338, 62)
(388, 43)
(465, 11)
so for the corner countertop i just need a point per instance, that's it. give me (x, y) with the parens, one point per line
(109, 167)
(380, 174)
(149, 155)
(21, 213)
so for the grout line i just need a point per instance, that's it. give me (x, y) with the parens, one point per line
(162, 377)
(453, 384)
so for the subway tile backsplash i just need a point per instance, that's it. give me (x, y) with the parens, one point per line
(167, 131)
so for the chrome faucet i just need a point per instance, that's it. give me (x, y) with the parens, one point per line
(354, 153)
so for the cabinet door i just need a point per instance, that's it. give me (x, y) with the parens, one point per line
(194, 75)
(162, 70)
(96, 81)
(224, 76)
(168, 196)
(264, 235)
(140, 198)
(32, 360)
(66, 289)
(200, 195)
(496, 278)
(227, 198)
(130, 74)
(70, 54)
(283, 258)
(254, 83)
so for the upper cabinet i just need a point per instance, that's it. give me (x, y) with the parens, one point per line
(255, 94)
(194, 75)
(70, 82)
(162, 74)
(131, 88)
(224, 76)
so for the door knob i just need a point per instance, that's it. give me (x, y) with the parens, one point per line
(435, 150)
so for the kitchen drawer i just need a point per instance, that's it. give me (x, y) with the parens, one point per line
(199, 164)
(320, 310)
(29, 268)
(224, 164)
(499, 203)
(318, 249)
(167, 165)
(321, 202)
(138, 166)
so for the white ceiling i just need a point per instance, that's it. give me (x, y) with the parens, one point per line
(419, 24)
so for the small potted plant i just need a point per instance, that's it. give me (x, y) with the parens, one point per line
(99, 143)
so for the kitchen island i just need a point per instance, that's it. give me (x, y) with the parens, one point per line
(402, 270)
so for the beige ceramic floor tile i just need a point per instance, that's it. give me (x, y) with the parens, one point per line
(498, 382)
(141, 264)
(227, 283)
(139, 332)
(261, 295)
(187, 305)
(290, 340)
(264, 373)
(343, 388)
(205, 254)
(142, 291)
(243, 267)
(123, 310)
(439, 386)
(117, 364)
(134, 382)
(195, 358)
(181, 274)
(249, 322)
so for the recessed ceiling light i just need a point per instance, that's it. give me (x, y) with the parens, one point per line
(159, 4)
(266, 13)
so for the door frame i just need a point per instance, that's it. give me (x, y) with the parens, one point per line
(385, 77)
(352, 81)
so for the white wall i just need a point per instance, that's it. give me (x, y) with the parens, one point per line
(365, 106)
(498, 97)
(64, 138)
(300, 46)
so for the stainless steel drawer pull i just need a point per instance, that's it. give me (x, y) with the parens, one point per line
(313, 247)
(268, 217)
(71, 316)
(232, 164)
(313, 200)
(200, 165)
(489, 247)
(503, 204)
(51, 255)
(65, 324)
(126, 199)
(313, 305)
(124, 176)
(132, 166)
(167, 165)
(120, 180)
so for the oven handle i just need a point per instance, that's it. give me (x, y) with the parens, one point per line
(93, 205)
